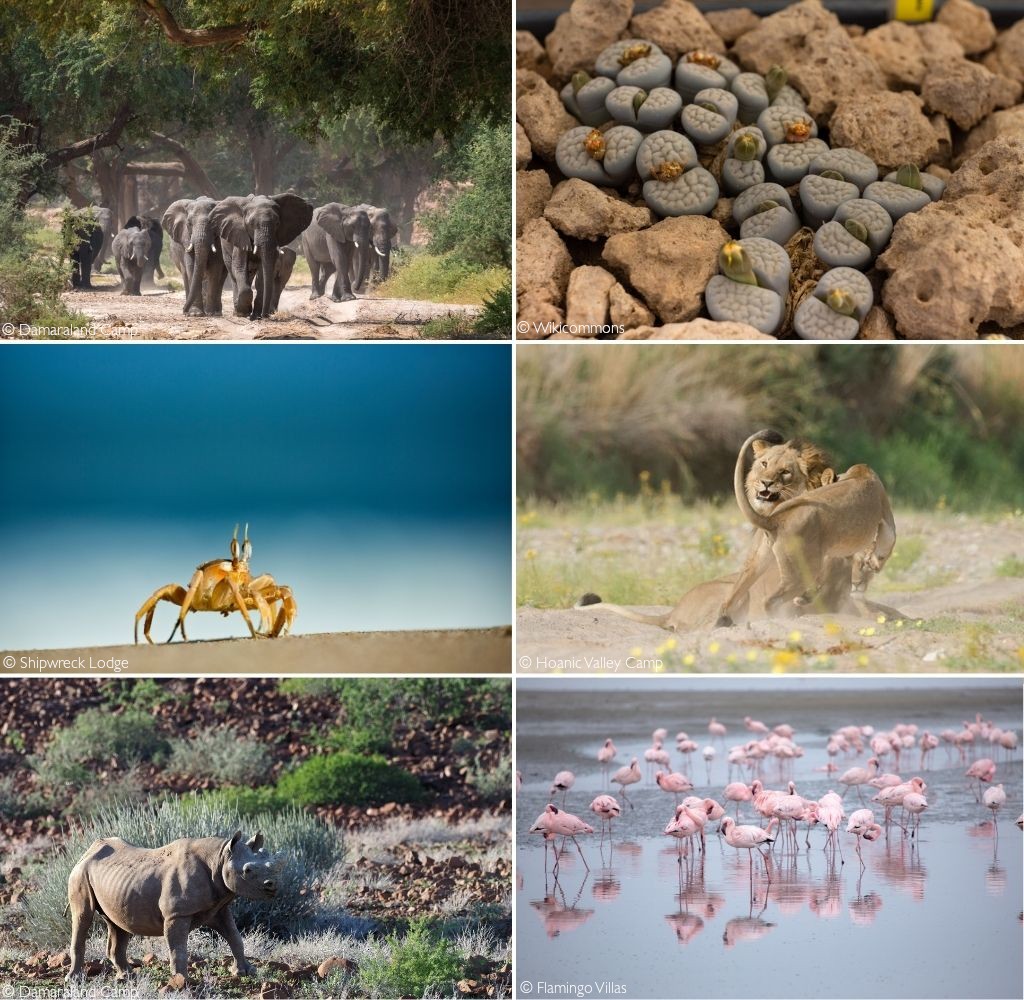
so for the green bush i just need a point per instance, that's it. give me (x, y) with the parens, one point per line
(221, 755)
(410, 966)
(352, 739)
(441, 278)
(493, 784)
(309, 849)
(144, 694)
(496, 316)
(92, 740)
(244, 801)
(348, 779)
(454, 326)
(16, 805)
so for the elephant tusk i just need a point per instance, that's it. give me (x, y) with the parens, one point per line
(380, 252)
(213, 248)
(356, 243)
(190, 248)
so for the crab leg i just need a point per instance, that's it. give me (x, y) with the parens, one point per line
(240, 601)
(173, 593)
(186, 603)
(286, 615)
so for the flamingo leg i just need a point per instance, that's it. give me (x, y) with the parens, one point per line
(582, 858)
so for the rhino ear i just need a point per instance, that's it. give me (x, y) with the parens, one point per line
(233, 841)
(256, 843)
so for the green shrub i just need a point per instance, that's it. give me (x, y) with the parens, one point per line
(348, 779)
(309, 848)
(144, 694)
(352, 739)
(441, 278)
(307, 687)
(410, 966)
(97, 797)
(221, 755)
(496, 316)
(16, 805)
(493, 784)
(92, 740)
(454, 326)
(244, 801)
(1011, 566)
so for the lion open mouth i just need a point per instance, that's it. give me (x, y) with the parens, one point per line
(767, 496)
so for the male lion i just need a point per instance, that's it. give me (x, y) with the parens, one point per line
(848, 517)
(784, 469)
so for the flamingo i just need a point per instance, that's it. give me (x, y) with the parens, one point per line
(605, 756)
(753, 725)
(862, 823)
(564, 780)
(555, 822)
(915, 804)
(737, 792)
(789, 807)
(857, 776)
(748, 838)
(927, 744)
(607, 808)
(708, 753)
(684, 828)
(716, 730)
(674, 783)
(994, 799)
(830, 812)
(657, 755)
(983, 769)
(626, 776)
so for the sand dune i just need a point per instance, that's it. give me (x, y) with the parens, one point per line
(454, 651)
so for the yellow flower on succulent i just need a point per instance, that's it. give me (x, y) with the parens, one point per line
(833, 628)
(751, 655)
(689, 660)
(881, 619)
(863, 660)
(530, 554)
(714, 647)
(636, 651)
(671, 643)
(795, 636)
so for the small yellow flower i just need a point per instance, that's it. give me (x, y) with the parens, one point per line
(863, 660)
(636, 651)
(899, 623)
(645, 476)
(530, 554)
(671, 644)
(919, 623)
(713, 647)
(732, 658)
(832, 628)
(869, 631)
(823, 659)
(881, 619)
(778, 669)
(784, 658)
(689, 660)
(751, 655)
(794, 636)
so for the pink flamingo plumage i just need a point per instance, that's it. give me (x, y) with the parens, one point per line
(555, 822)
(607, 808)
(748, 838)
(857, 776)
(674, 783)
(564, 780)
(625, 776)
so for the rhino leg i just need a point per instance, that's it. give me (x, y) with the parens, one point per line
(224, 924)
(117, 949)
(176, 934)
(83, 909)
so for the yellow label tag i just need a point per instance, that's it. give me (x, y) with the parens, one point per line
(913, 10)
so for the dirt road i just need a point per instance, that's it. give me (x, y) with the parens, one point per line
(469, 651)
(156, 315)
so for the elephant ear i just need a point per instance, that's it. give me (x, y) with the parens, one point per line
(295, 215)
(331, 220)
(227, 218)
(175, 221)
(134, 221)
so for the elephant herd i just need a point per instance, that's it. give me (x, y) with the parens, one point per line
(243, 242)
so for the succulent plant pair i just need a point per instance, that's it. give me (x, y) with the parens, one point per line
(836, 308)
(904, 191)
(766, 211)
(754, 284)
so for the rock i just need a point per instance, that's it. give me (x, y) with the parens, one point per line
(536, 317)
(1008, 122)
(583, 210)
(971, 24)
(336, 964)
(627, 311)
(669, 264)
(1007, 58)
(939, 42)
(524, 151)
(891, 128)
(676, 26)
(730, 24)
(533, 189)
(943, 173)
(530, 54)
(698, 329)
(959, 262)
(176, 982)
(274, 991)
(540, 111)
(824, 63)
(586, 308)
(877, 325)
(966, 91)
(56, 961)
(945, 139)
(903, 53)
(543, 263)
(582, 32)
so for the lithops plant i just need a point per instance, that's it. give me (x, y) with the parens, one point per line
(606, 158)
(746, 203)
(710, 117)
(635, 62)
(836, 307)
(851, 164)
(822, 194)
(674, 183)
(844, 245)
(874, 220)
(742, 167)
(772, 221)
(697, 71)
(791, 135)
(648, 112)
(755, 93)
(753, 285)
(931, 185)
(901, 197)
(584, 97)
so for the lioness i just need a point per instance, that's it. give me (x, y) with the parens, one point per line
(847, 517)
(784, 469)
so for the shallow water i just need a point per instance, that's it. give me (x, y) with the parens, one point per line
(934, 917)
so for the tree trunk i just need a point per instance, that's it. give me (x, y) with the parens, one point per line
(193, 170)
(264, 164)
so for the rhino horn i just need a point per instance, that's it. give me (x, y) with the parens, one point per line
(256, 843)
(237, 836)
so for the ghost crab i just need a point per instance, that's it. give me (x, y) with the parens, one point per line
(226, 585)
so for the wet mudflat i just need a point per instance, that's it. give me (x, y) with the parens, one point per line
(937, 916)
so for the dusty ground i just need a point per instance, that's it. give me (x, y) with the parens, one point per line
(454, 651)
(960, 594)
(157, 315)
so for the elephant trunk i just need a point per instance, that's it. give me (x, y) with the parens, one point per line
(363, 255)
(383, 259)
(200, 257)
(240, 277)
(266, 248)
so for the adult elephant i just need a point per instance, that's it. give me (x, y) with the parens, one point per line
(336, 240)
(258, 226)
(105, 220)
(377, 253)
(89, 240)
(156, 241)
(196, 251)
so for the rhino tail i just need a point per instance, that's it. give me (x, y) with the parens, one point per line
(589, 600)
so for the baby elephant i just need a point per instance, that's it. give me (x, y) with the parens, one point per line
(131, 248)
(167, 891)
